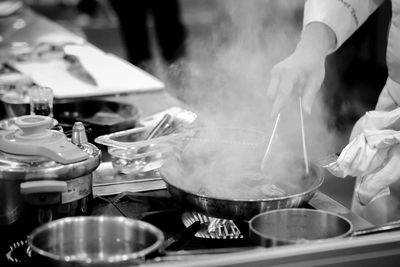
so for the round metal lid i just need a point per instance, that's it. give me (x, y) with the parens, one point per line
(35, 152)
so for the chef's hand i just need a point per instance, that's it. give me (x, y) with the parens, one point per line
(303, 70)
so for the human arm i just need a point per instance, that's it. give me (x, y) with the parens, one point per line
(327, 24)
(304, 69)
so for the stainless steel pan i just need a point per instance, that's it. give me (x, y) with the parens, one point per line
(240, 209)
(240, 144)
(295, 226)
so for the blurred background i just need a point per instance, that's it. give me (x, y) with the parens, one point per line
(356, 72)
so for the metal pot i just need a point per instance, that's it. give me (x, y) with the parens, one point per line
(110, 241)
(94, 241)
(235, 208)
(296, 226)
(43, 176)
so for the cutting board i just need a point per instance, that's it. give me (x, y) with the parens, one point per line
(112, 74)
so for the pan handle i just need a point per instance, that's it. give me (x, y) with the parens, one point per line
(393, 226)
(181, 237)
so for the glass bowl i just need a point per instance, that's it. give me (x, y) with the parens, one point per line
(131, 154)
(134, 151)
(140, 158)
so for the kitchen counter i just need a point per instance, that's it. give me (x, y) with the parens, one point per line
(37, 27)
(373, 250)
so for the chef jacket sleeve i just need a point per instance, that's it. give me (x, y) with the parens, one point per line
(342, 16)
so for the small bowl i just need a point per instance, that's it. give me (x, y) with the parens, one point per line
(94, 241)
(130, 153)
(142, 159)
(15, 105)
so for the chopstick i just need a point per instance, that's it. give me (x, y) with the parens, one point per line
(264, 160)
(303, 136)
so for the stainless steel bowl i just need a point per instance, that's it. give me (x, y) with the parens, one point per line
(94, 241)
(293, 226)
(298, 226)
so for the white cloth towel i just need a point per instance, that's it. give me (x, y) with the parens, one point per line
(369, 152)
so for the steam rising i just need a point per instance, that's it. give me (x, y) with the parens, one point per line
(224, 80)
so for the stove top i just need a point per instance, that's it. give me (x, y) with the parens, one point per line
(155, 207)
(159, 209)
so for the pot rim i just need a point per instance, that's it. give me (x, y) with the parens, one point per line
(316, 184)
(291, 241)
(120, 258)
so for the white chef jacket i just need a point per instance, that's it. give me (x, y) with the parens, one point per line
(344, 17)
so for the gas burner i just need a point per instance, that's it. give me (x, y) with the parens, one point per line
(19, 252)
(212, 228)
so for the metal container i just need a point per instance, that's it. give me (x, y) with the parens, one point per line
(239, 209)
(43, 176)
(297, 226)
(237, 143)
(94, 241)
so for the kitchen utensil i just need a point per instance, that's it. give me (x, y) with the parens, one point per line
(94, 241)
(178, 240)
(240, 143)
(43, 176)
(244, 209)
(143, 149)
(104, 241)
(303, 136)
(296, 226)
(263, 163)
(163, 124)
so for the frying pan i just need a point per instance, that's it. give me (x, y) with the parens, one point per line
(241, 209)
(296, 226)
(176, 170)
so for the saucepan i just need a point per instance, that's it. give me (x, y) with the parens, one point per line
(107, 241)
(296, 226)
(200, 177)
(94, 241)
